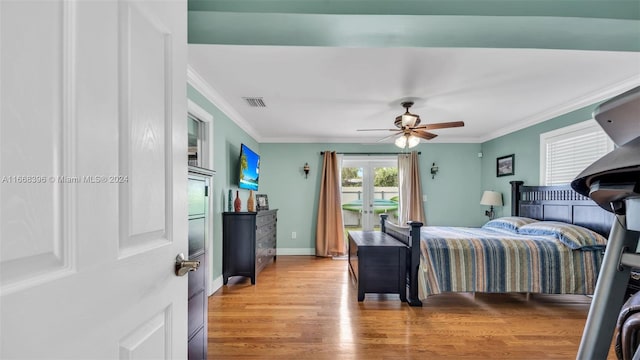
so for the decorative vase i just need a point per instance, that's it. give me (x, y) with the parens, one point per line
(229, 201)
(237, 204)
(250, 202)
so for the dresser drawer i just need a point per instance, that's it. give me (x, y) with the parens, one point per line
(265, 218)
(260, 244)
(265, 230)
(270, 240)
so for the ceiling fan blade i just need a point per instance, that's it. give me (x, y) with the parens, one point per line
(390, 136)
(377, 130)
(443, 125)
(423, 134)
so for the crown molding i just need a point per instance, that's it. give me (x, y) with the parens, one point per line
(202, 86)
(199, 83)
(361, 141)
(575, 104)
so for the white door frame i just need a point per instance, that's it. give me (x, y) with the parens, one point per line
(203, 115)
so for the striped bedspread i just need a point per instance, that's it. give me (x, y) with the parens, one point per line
(458, 259)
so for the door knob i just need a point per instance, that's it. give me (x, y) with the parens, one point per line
(183, 266)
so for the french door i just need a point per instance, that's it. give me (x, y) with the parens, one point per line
(369, 188)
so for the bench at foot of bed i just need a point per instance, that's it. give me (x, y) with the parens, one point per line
(378, 263)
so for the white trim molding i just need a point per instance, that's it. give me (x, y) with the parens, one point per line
(199, 83)
(295, 251)
(197, 111)
(575, 104)
(215, 285)
(207, 142)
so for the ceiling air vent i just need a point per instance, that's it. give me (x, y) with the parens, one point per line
(255, 101)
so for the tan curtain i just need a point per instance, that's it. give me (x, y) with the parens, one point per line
(330, 231)
(411, 207)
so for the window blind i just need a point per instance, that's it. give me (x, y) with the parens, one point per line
(568, 151)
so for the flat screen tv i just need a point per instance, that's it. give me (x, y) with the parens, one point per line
(249, 169)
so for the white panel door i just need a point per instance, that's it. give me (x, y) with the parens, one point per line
(93, 178)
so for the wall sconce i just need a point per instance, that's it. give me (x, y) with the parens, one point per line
(306, 170)
(491, 198)
(434, 171)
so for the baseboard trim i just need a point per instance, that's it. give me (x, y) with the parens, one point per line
(296, 251)
(215, 285)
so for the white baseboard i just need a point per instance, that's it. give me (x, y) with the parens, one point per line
(295, 251)
(215, 285)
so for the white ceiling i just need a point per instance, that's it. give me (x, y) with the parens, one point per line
(324, 94)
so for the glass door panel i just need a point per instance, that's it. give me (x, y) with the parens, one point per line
(385, 193)
(369, 188)
(352, 197)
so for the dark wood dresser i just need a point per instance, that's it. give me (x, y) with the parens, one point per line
(378, 263)
(249, 242)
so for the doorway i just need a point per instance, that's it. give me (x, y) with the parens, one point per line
(369, 188)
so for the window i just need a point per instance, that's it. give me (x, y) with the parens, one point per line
(200, 140)
(565, 152)
(196, 134)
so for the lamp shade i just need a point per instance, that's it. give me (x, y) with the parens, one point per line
(492, 198)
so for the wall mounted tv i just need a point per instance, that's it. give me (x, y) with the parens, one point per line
(249, 169)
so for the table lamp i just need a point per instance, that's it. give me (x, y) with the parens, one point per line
(491, 198)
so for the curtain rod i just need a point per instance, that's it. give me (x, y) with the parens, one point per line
(370, 154)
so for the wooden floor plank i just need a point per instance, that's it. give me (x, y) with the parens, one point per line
(303, 307)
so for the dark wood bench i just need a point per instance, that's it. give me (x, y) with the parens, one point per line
(378, 263)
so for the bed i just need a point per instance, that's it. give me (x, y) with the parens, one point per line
(535, 250)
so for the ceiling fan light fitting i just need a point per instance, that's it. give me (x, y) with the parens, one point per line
(413, 141)
(401, 142)
(407, 141)
(406, 119)
(408, 130)
(410, 120)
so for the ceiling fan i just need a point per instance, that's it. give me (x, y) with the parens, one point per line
(410, 130)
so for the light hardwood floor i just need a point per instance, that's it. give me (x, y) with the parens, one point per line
(303, 307)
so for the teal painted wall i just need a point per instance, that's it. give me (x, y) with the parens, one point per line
(452, 197)
(525, 144)
(609, 25)
(227, 139)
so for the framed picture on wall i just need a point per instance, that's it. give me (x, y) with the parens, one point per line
(262, 202)
(505, 165)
